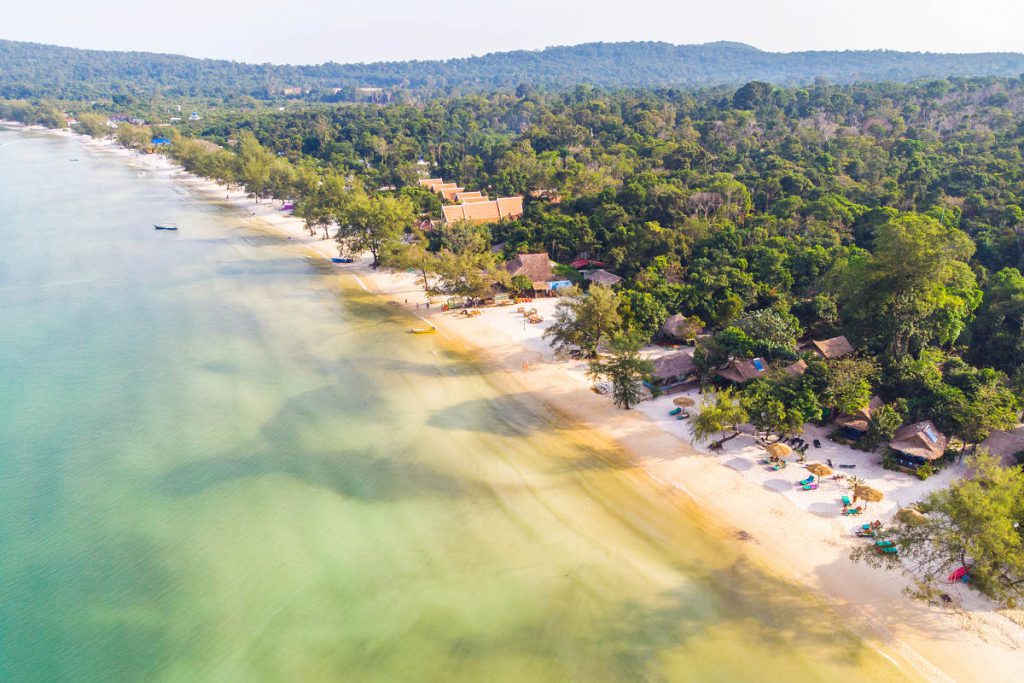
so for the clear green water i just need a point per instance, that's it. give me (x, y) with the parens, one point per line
(222, 461)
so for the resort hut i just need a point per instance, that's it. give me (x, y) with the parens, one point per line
(796, 369)
(854, 426)
(1008, 446)
(679, 328)
(916, 444)
(742, 371)
(537, 267)
(673, 370)
(836, 347)
(602, 277)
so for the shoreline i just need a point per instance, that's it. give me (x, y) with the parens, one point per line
(967, 642)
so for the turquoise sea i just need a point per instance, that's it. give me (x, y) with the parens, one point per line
(220, 460)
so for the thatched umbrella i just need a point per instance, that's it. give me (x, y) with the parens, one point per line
(778, 450)
(868, 494)
(819, 469)
(684, 402)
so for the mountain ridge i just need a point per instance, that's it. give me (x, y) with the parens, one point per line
(30, 70)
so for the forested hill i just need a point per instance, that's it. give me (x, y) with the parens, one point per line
(30, 70)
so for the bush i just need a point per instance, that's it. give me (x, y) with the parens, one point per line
(926, 470)
(889, 461)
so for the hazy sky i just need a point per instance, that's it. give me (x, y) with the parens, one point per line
(311, 31)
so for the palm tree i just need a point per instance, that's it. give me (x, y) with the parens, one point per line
(853, 483)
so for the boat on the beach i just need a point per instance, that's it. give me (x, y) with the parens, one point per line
(165, 226)
(423, 330)
(341, 260)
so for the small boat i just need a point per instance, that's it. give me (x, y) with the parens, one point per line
(423, 330)
(165, 226)
(341, 260)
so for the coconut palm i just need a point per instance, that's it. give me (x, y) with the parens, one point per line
(853, 483)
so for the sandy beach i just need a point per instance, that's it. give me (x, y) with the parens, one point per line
(796, 534)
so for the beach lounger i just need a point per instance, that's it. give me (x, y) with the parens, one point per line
(853, 511)
(675, 411)
(847, 502)
(885, 544)
(806, 481)
(809, 487)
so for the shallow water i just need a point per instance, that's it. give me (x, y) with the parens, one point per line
(220, 460)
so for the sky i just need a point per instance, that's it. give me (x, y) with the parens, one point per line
(315, 31)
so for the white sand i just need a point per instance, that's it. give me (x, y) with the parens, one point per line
(797, 533)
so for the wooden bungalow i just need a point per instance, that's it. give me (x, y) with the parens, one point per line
(537, 267)
(796, 369)
(741, 371)
(678, 328)
(674, 369)
(1006, 445)
(836, 347)
(855, 425)
(918, 443)
(602, 277)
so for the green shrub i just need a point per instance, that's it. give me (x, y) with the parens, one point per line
(889, 461)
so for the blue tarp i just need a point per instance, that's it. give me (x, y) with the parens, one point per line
(558, 284)
(161, 141)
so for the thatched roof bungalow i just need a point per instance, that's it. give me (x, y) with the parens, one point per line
(836, 347)
(741, 371)
(856, 424)
(673, 368)
(918, 443)
(678, 328)
(1005, 445)
(537, 267)
(796, 369)
(602, 277)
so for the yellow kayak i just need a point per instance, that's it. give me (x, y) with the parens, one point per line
(423, 330)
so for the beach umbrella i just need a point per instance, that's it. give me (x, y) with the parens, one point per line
(868, 494)
(778, 450)
(819, 469)
(684, 402)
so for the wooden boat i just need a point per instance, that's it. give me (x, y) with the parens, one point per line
(165, 226)
(423, 330)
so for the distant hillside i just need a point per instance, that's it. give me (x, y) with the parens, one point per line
(33, 70)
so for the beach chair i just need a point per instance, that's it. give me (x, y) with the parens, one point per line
(846, 501)
(806, 481)
(809, 487)
(853, 511)
(675, 411)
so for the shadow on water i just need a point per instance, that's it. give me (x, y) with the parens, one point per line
(368, 474)
(90, 614)
(506, 415)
